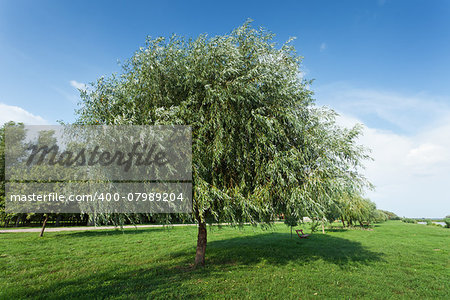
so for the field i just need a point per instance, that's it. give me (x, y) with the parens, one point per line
(394, 260)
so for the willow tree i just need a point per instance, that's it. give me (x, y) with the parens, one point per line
(260, 147)
(353, 208)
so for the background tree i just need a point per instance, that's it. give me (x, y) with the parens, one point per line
(353, 209)
(260, 147)
(3, 215)
(17, 131)
(390, 215)
(17, 153)
(290, 221)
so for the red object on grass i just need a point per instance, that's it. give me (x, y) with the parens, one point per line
(302, 236)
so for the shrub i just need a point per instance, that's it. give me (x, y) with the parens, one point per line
(408, 220)
(447, 222)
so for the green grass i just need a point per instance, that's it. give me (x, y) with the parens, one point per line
(395, 260)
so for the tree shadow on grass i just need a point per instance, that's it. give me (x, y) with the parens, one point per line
(336, 229)
(111, 232)
(172, 276)
(279, 249)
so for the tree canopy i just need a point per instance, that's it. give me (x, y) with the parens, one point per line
(260, 146)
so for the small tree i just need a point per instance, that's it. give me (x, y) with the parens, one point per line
(291, 221)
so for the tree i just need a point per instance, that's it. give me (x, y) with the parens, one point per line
(2, 175)
(447, 221)
(260, 147)
(18, 131)
(17, 151)
(290, 221)
(354, 208)
(390, 215)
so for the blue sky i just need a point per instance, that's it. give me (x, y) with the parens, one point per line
(385, 64)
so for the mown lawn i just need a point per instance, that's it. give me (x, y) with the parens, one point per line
(395, 260)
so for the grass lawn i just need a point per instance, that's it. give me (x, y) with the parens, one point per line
(395, 260)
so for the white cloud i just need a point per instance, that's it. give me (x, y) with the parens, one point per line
(411, 173)
(427, 155)
(18, 114)
(78, 85)
(411, 167)
(323, 47)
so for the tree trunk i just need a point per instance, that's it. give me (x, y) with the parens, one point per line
(43, 226)
(323, 228)
(91, 220)
(58, 218)
(291, 232)
(201, 245)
